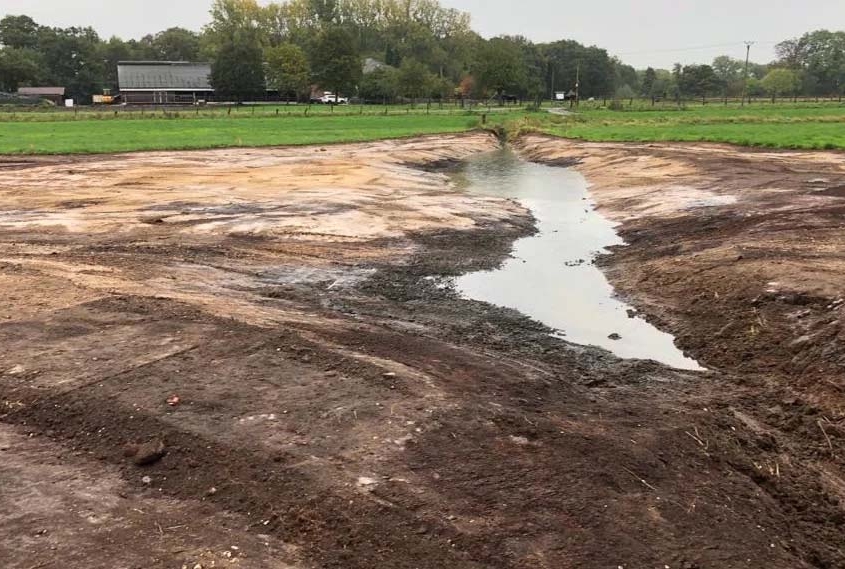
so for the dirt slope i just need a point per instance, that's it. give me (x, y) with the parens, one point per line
(339, 407)
(739, 253)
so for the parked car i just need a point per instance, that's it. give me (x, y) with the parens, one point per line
(330, 98)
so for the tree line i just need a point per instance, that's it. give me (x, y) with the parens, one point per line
(381, 50)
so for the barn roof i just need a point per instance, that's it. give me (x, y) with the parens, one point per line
(41, 91)
(163, 75)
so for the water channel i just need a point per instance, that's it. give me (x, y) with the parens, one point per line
(551, 276)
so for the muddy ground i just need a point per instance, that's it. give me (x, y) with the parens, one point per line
(339, 407)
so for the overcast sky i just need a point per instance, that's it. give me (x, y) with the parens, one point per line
(642, 33)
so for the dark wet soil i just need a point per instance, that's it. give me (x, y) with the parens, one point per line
(403, 427)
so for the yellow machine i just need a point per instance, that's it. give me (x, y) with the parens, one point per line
(105, 99)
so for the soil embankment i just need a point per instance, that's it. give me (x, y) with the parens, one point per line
(337, 406)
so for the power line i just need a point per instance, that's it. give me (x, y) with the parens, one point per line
(693, 48)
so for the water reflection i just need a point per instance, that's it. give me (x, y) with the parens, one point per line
(551, 277)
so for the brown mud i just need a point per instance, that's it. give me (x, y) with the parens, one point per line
(338, 405)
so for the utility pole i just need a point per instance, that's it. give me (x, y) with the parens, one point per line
(577, 82)
(552, 94)
(748, 45)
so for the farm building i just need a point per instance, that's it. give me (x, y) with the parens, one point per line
(164, 82)
(54, 94)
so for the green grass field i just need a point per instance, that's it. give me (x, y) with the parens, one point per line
(102, 130)
(117, 112)
(100, 136)
(775, 126)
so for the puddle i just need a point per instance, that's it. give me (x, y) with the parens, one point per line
(551, 277)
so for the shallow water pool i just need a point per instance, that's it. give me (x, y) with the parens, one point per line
(551, 276)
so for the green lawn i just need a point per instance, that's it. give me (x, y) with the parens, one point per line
(96, 131)
(780, 126)
(117, 112)
(98, 136)
(798, 135)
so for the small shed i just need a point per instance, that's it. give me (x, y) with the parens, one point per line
(564, 95)
(54, 94)
(164, 82)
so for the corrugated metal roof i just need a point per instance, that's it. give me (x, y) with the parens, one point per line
(36, 91)
(164, 75)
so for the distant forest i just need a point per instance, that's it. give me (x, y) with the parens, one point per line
(382, 50)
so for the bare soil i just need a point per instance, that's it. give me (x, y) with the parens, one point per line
(281, 320)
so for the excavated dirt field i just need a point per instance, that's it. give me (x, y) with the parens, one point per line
(340, 407)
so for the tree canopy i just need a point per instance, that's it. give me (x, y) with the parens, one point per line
(287, 70)
(336, 59)
(819, 60)
(424, 49)
(780, 81)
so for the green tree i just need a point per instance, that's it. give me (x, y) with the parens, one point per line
(819, 57)
(675, 85)
(648, 81)
(730, 74)
(414, 80)
(72, 58)
(335, 61)
(230, 18)
(664, 84)
(19, 32)
(18, 67)
(566, 58)
(235, 43)
(780, 81)
(498, 67)
(625, 76)
(441, 88)
(287, 70)
(698, 81)
(625, 92)
(532, 84)
(174, 44)
(237, 72)
(325, 11)
(379, 85)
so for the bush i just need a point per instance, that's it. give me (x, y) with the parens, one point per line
(616, 105)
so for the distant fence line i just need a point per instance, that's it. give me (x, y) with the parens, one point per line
(421, 106)
(257, 109)
(667, 102)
